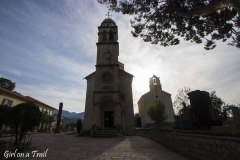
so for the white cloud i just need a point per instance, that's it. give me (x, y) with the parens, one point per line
(187, 64)
(72, 98)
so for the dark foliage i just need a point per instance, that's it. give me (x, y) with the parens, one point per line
(181, 99)
(220, 113)
(164, 22)
(46, 120)
(7, 84)
(22, 118)
(219, 109)
(3, 117)
(185, 119)
(3, 114)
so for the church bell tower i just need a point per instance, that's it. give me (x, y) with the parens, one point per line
(107, 46)
(109, 89)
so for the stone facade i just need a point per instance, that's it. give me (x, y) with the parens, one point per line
(156, 93)
(109, 89)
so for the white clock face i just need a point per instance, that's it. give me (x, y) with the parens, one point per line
(107, 55)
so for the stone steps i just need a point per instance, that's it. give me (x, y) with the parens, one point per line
(105, 133)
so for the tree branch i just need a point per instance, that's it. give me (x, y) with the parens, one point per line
(206, 10)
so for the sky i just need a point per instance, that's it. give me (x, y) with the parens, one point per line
(48, 47)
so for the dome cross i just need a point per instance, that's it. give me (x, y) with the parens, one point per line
(108, 14)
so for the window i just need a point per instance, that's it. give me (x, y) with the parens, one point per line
(154, 81)
(104, 36)
(7, 102)
(111, 36)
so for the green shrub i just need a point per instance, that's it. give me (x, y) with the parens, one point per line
(157, 113)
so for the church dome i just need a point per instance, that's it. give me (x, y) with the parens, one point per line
(108, 22)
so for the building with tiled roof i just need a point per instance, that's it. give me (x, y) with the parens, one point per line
(13, 98)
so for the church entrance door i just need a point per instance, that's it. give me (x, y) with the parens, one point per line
(108, 119)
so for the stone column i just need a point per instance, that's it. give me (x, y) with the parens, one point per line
(59, 118)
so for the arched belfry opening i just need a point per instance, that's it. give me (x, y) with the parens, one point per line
(104, 103)
(111, 36)
(104, 36)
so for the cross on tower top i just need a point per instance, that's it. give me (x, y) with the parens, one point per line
(108, 14)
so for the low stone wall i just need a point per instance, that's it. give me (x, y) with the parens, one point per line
(194, 146)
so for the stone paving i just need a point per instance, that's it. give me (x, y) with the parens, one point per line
(70, 147)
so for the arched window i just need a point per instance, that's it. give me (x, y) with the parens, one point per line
(111, 37)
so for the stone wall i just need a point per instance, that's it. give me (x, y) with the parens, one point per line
(194, 146)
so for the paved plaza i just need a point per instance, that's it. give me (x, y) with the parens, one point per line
(70, 147)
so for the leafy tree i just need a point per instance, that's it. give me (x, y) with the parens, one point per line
(181, 99)
(4, 116)
(218, 107)
(46, 119)
(157, 113)
(23, 117)
(221, 110)
(185, 118)
(236, 116)
(164, 22)
(79, 126)
(228, 112)
(7, 84)
(3, 110)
